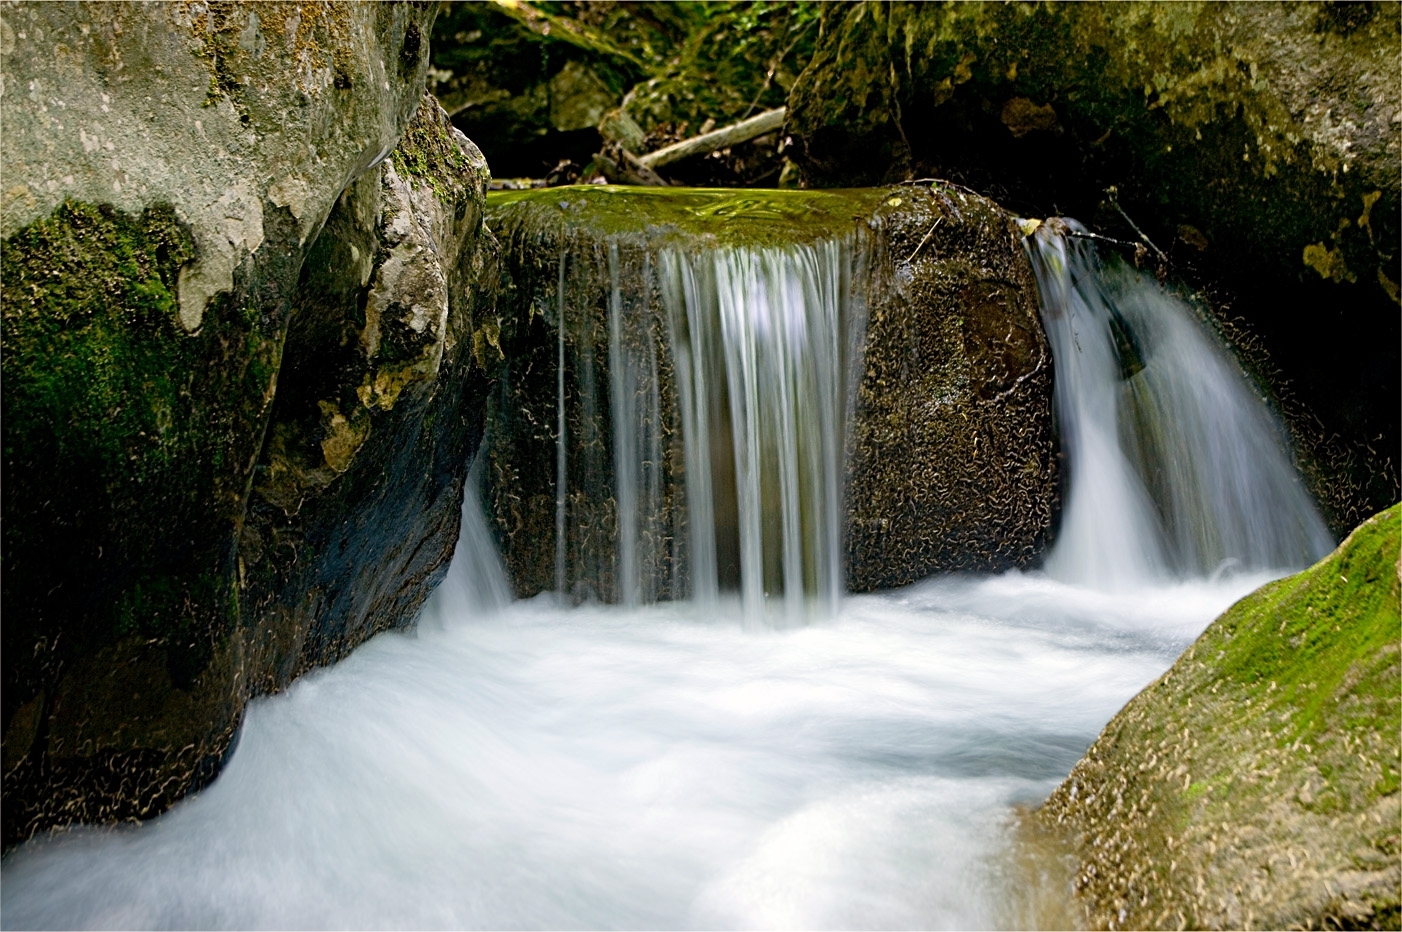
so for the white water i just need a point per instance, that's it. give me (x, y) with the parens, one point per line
(1178, 468)
(762, 346)
(527, 765)
(532, 766)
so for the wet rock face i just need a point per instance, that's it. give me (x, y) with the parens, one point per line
(952, 461)
(1258, 146)
(950, 452)
(1255, 784)
(169, 170)
(356, 497)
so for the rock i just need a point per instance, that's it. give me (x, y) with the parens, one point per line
(356, 497)
(1255, 784)
(953, 463)
(169, 170)
(1272, 132)
(950, 459)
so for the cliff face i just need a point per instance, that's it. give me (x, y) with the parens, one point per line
(1255, 784)
(231, 316)
(1258, 146)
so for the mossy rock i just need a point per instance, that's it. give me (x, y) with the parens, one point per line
(1258, 145)
(1255, 784)
(951, 457)
(155, 235)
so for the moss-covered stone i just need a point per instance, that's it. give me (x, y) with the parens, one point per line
(1255, 784)
(950, 459)
(167, 169)
(1259, 145)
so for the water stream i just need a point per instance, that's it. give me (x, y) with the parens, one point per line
(672, 764)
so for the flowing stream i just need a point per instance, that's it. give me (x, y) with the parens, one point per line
(770, 752)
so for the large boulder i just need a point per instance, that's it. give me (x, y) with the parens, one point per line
(1255, 784)
(950, 452)
(169, 169)
(1259, 146)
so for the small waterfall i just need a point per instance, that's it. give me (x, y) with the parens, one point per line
(759, 341)
(726, 396)
(1177, 466)
(475, 584)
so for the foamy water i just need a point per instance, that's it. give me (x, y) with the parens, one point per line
(536, 766)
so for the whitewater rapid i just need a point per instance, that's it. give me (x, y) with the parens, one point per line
(533, 766)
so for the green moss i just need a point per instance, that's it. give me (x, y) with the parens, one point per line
(1277, 733)
(691, 215)
(94, 355)
(1316, 635)
(428, 153)
(107, 435)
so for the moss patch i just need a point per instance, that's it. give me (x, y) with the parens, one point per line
(698, 217)
(428, 153)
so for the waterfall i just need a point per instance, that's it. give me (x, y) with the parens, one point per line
(779, 318)
(1177, 466)
(727, 394)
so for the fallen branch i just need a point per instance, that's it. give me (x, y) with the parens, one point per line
(1113, 195)
(731, 135)
(632, 171)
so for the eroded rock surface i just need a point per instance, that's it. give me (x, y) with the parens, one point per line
(1255, 784)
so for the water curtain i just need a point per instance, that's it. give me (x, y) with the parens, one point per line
(1177, 466)
(727, 396)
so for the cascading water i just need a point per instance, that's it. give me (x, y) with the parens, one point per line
(779, 319)
(755, 346)
(1177, 468)
(528, 764)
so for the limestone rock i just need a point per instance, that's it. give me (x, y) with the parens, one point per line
(356, 497)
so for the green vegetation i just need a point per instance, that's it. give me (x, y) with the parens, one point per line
(93, 348)
(697, 215)
(534, 83)
(428, 153)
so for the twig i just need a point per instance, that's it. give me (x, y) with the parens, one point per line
(1113, 194)
(931, 232)
(1086, 234)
